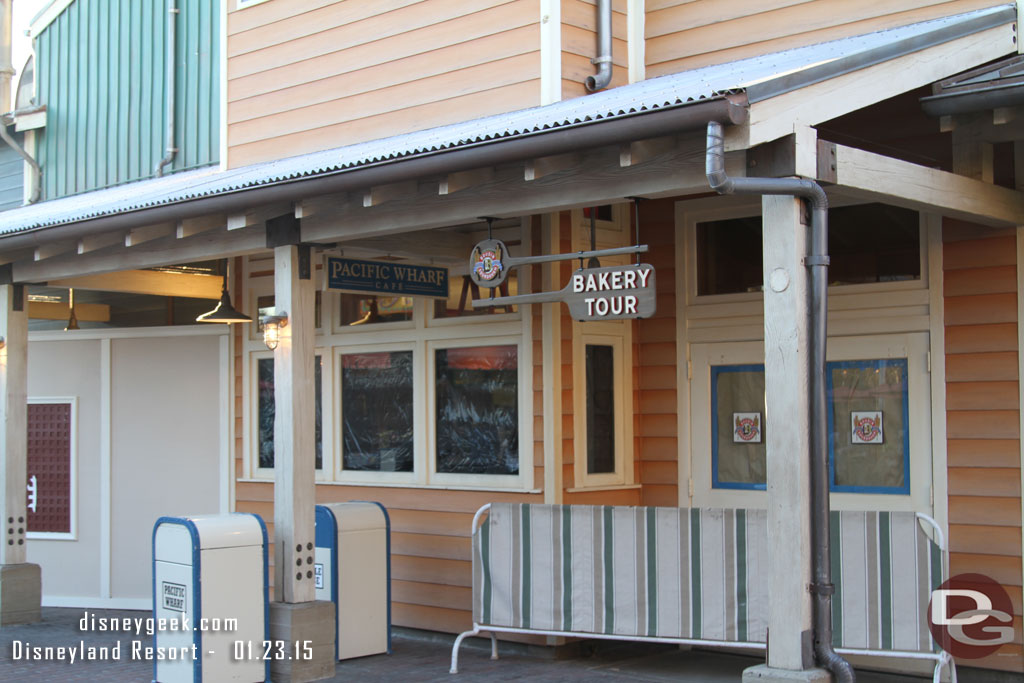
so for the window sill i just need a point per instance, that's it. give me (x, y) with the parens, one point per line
(612, 487)
(385, 485)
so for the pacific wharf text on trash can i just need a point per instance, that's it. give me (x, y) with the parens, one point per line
(211, 571)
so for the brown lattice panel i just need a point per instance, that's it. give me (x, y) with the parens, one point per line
(49, 459)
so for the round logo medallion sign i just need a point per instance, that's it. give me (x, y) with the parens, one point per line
(971, 616)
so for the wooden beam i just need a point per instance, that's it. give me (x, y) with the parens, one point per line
(544, 166)
(1005, 124)
(157, 283)
(432, 246)
(305, 208)
(641, 151)
(100, 241)
(376, 196)
(23, 254)
(455, 182)
(677, 171)
(57, 310)
(161, 252)
(53, 248)
(257, 215)
(881, 178)
(194, 226)
(147, 233)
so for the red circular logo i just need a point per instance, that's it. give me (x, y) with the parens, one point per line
(971, 616)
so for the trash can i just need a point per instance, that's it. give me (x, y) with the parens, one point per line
(210, 588)
(353, 570)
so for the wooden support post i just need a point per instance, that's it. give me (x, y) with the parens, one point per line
(294, 465)
(20, 594)
(14, 395)
(788, 445)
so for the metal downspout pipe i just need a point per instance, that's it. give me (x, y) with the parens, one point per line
(171, 75)
(817, 261)
(6, 74)
(603, 61)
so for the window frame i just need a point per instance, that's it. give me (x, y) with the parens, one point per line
(341, 475)
(422, 335)
(252, 433)
(701, 211)
(905, 410)
(245, 4)
(913, 346)
(526, 463)
(618, 335)
(715, 483)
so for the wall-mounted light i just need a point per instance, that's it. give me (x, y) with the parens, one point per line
(272, 325)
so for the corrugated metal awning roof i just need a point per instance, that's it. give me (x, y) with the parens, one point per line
(760, 77)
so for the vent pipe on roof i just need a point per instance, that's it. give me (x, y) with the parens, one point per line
(6, 68)
(171, 54)
(603, 61)
(821, 568)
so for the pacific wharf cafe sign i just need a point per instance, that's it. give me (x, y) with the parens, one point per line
(386, 277)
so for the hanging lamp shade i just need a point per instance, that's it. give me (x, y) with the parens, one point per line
(224, 312)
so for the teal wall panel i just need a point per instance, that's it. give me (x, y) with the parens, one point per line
(101, 70)
(12, 176)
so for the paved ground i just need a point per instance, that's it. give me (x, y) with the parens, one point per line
(417, 657)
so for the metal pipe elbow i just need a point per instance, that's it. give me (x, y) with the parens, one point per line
(714, 161)
(841, 669)
(602, 78)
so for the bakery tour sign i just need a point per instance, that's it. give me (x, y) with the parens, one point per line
(599, 293)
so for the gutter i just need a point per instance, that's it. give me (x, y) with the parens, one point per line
(638, 126)
(817, 314)
(975, 99)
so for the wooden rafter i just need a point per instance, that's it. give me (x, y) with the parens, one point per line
(880, 178)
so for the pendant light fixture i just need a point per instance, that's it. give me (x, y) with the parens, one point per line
(72, 320)
(224, 312)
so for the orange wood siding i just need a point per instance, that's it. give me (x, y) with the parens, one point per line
(564, 270)
(579, 45)
(307, 76)
(982, 415)
(657, 433)
(686, 34)
(430, 539)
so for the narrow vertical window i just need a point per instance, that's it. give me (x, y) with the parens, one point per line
(600, 409)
